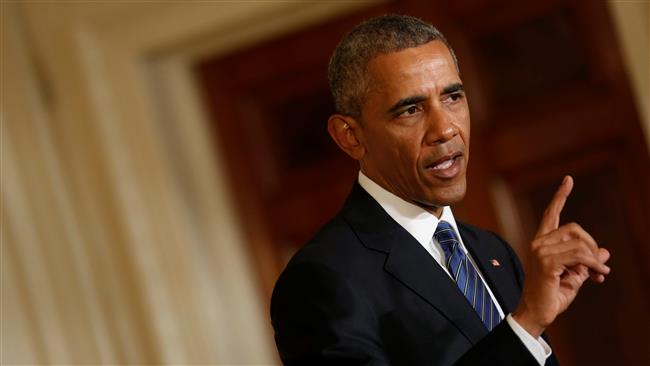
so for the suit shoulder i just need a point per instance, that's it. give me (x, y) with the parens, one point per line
(326, 266)
(334, 241)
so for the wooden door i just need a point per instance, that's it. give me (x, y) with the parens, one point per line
(553, 99)
(548, 95)
(270, 105)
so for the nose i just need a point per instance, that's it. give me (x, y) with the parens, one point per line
(440, 128)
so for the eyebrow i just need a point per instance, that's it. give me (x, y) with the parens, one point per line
(453, 88)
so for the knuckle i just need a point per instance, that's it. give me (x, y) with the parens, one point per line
(536, 244)
(583, 255)
(581, 248)
(537, 250)
(574, 226)
(575, 252)
(579, 243)
(586, 246)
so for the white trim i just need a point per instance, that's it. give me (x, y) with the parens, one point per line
(111, 66)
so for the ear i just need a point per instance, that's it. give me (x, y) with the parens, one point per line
(346, 132)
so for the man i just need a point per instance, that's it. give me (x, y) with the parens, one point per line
(393, 278)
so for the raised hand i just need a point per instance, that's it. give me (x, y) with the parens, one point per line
(562, 258)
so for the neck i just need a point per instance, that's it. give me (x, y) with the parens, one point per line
(434, 210)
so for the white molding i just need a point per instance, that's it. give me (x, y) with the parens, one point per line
(111, 66)
(632, 23)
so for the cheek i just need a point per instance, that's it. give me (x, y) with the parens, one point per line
(392, 145)
(396, 148)
(463, 124)
(466, 122)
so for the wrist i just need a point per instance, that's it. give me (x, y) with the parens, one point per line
(531, 326)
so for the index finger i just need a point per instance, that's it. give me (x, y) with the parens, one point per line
(551, 218)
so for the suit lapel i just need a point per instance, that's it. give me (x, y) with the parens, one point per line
(498, 277)
(410, 263)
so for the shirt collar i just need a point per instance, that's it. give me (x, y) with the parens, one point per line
(418, 222)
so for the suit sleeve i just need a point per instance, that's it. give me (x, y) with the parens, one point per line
(502, 338)
(551, 360)
(319, 320)
(501, 346)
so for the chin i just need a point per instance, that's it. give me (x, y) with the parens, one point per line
(448, 196)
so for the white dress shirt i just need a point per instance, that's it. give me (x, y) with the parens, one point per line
(421, 224)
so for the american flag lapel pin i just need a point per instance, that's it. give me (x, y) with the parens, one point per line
(495, 263)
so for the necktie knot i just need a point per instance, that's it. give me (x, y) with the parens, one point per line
(446, 237)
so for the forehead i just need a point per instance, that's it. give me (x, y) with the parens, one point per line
(428, 67)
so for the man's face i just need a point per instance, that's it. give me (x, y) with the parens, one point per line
(414, 126)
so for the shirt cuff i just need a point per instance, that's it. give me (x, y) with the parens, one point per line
(537, 347)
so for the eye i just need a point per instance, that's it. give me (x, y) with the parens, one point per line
(411, 110)
(453, 97)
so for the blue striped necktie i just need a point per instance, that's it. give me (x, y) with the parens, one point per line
(466, 276)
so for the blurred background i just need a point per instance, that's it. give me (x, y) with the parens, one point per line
(162, 160)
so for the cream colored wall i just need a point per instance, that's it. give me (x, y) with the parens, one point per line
(120, 243)
(632, 22)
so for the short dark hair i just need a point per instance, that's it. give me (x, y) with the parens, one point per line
(347, 71)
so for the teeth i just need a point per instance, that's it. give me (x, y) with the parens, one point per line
(444, 165)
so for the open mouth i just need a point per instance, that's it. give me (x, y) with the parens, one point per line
(447, 166)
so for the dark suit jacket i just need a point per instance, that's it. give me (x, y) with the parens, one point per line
(365, 292)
